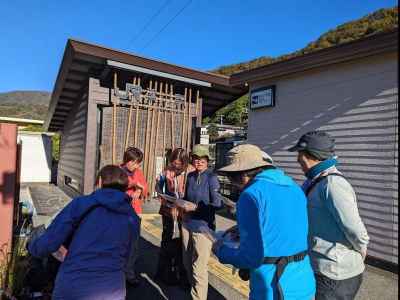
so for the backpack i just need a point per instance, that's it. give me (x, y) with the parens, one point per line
(319, 179)
(41, 274)
(39, 279)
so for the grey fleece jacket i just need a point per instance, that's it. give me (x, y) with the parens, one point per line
(337, 235)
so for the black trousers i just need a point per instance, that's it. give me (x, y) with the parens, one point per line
(166, 238)
(329, 289)
(170, 249)
(167, 232)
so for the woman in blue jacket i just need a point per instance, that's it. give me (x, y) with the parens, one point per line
(103, 226)
(273, 227)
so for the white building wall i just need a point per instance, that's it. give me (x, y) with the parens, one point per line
(35, 157)
(357, 103)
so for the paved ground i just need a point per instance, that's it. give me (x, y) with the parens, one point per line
(223, 285)
(377, 284)
(48, 199)
(151, 289)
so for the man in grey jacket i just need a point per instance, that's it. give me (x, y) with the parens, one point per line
(338, 238)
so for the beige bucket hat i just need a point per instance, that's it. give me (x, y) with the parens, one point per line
(246, 157)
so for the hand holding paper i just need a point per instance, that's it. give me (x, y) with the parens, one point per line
(200, 226)
(216, 245)
(186, 205)
(60, 253)
(232, 233)
(167, 197)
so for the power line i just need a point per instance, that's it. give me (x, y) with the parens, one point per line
(152, 18)
(166, 25)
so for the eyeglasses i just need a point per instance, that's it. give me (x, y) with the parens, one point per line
(235, 178)
(200, 159)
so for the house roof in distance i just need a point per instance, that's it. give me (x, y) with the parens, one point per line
(21, 122)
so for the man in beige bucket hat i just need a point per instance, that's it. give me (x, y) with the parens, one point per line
(273, 228)
(246, 157)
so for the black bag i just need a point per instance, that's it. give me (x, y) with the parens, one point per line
(41, 275)
(42, 272)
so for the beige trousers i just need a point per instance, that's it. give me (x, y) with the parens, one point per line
(196, 253)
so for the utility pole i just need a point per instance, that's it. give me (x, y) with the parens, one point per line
(220, 119)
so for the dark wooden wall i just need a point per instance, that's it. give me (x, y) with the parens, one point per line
(72, 150)
(87, 137)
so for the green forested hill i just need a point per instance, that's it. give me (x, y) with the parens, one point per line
(24, 104)
(378, 21)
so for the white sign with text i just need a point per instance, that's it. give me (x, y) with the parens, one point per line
(264, 97)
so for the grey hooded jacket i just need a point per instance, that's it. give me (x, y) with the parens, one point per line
(337, 235)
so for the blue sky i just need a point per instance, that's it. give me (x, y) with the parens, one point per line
(207, 34)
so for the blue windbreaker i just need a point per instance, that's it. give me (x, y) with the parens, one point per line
(272, 220)
(99, 250)
(203, 189)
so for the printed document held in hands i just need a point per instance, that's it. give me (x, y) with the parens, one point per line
(201, 226)
(167, 197)
(187, 205)
(230, 237)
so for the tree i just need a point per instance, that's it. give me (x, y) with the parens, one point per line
(379, 21)
(212, 130)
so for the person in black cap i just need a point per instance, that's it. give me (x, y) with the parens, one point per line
(338, 238)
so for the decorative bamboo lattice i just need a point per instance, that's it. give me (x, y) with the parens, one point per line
(154, 120)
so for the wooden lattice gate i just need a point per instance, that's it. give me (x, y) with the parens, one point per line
(155, 120)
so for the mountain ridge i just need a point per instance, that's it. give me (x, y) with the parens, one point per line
(24, 104)
(384, 19)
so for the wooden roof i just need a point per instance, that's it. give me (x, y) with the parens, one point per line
(371, 45)
(82, 60)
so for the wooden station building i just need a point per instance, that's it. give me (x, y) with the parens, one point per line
(106, 100)
(351, 92)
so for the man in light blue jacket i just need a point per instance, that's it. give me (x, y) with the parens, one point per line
(272, 222)
(338, 238)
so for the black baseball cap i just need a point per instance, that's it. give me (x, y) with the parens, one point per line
(318, 143)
